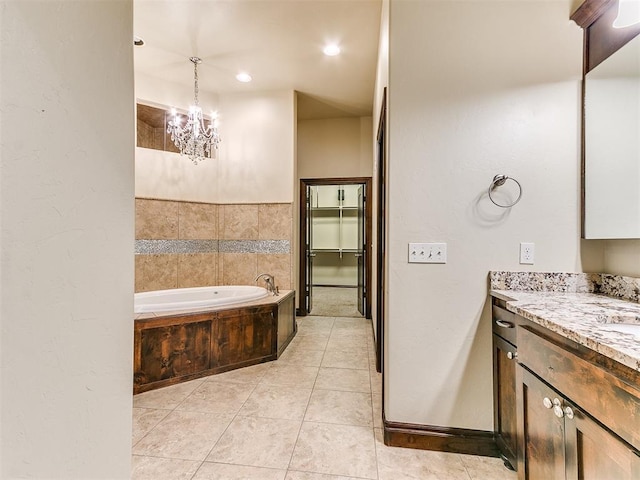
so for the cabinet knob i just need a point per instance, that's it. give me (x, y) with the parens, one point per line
(512, 355)
(546, 401)
(568, 411)
(557, 410)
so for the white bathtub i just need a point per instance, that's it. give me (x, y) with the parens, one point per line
(195, 298)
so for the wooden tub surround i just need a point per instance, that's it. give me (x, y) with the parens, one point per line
(175, 347)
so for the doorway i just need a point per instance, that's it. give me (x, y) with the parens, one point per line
(335, 246)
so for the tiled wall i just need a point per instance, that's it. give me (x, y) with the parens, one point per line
(184, 244)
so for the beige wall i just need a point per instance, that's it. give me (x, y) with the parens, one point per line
(474, 94)
(255, 162)
(66, 204)
(622, 257)
(335, 147)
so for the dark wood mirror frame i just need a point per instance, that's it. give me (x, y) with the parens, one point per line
(601, 40)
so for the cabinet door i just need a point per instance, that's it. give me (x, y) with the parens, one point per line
(329, 195)
(259, 328)
(174, 351)
(350, 195)
(594, 453)
(244, 335)
(541, 442)
(228, 344)
(504, 398)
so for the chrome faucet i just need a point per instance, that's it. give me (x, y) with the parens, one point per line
(270, 281)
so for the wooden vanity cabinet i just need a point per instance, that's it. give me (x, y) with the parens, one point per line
(505, 354)
(576, 420)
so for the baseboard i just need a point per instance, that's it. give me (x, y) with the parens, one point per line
(300, 312)
(442, 439)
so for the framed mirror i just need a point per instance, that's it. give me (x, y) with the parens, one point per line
(612, 146)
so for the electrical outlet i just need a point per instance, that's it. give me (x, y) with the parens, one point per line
(427, 253)
(527, 253)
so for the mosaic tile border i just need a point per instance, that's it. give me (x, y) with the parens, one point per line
(616, 286)
(154, 247)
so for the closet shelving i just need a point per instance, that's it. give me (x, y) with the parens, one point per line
(334, 213)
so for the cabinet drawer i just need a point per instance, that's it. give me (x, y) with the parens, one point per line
(604, 396)
(504, 324)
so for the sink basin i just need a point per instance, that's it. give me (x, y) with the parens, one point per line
(623, 323)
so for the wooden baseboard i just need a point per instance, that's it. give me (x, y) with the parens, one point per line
(442, 439)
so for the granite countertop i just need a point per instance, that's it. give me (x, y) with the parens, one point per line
(581, 317)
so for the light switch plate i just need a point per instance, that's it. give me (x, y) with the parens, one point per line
(427, 253)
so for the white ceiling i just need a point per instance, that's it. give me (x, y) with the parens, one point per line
(278, 42)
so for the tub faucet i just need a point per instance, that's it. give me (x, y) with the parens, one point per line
(269, 280)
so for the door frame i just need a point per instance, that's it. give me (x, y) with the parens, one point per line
(381, 231)
(302, 228)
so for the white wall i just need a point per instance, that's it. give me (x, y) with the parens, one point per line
(335, 147)
(254, 164)
(67, 210)
(477, 88)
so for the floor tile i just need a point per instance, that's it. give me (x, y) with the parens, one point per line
(185, 435)
(302, 356)
(293, 475)
(166, 398)
(251, 375)
(217, 397)
(154, 468)
(480, 468)
(347, 342)
(395, 463)
(311, 325)
(316, 341)
(323, 448)
(376, 402)
(277, 401)
(346, 359)
(345, 408)
(144, 419)
(376, 383)
(345, 379)
(290, 375)
(258, 442)
(221, 471)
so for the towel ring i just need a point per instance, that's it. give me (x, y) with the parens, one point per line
(500, 180)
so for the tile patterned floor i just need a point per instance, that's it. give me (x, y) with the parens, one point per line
(315, 414)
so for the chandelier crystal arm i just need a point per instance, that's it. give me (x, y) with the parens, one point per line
(194, 139)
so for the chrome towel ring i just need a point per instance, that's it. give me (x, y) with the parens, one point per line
(500, 180)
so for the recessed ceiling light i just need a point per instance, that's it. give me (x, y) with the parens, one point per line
(138, 41)
(243, 77)
(331, 50)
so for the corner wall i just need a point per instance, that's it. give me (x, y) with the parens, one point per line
(477, 88)
(66, 269)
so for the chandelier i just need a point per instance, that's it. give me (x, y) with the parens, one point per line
(193, 138)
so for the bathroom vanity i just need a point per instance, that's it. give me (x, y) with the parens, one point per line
(567, 384)
(175, 347)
